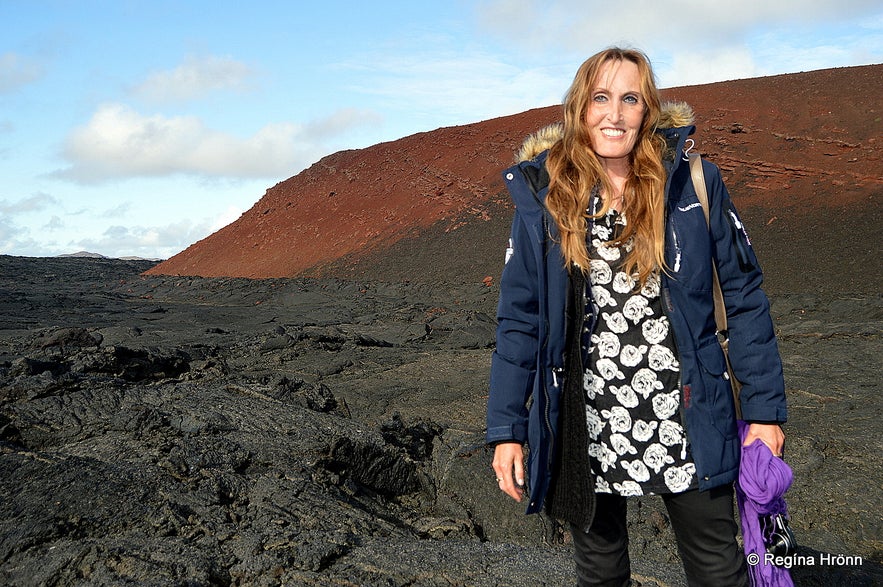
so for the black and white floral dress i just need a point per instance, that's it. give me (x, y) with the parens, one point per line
(637, 444)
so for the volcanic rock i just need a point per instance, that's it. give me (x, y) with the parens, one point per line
(187, 423)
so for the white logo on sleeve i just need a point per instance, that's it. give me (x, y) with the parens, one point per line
(510, 250)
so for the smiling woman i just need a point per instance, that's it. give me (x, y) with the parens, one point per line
(607, 362)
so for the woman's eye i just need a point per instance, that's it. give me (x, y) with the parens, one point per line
(600, 98)
(631, 100)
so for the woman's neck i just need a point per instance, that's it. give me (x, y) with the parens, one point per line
(617, 175)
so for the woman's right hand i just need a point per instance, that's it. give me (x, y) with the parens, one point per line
(509, 467)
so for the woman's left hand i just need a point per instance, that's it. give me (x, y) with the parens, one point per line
(770, 434)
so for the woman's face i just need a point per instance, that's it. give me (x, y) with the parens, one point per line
(615, 112)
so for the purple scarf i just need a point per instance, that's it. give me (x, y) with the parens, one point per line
(763, 480)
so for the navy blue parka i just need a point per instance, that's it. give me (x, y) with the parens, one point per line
(528, 364)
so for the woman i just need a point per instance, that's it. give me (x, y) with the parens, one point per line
(607, 364)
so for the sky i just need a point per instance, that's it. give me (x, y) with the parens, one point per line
(138, 127)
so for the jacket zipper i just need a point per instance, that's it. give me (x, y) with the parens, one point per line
(556, 371)
(667, 307)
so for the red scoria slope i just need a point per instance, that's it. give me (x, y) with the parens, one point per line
(795, 150)
(361, 200)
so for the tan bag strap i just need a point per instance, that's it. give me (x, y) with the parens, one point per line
(720, 311)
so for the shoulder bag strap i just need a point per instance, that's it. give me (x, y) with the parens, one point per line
(720, 312)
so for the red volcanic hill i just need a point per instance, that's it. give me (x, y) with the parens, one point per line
(801, 154)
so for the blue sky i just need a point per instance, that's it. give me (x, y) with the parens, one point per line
(135, 128)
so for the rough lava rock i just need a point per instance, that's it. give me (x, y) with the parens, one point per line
(323, 425)
(325, 432)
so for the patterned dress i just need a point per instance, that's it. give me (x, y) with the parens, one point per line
(637, 444)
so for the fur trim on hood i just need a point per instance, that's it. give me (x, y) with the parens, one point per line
(672, 115)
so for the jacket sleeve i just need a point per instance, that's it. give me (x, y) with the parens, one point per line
(513, 363)
(753, 349)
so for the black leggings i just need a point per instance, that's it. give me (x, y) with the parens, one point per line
(704, 526)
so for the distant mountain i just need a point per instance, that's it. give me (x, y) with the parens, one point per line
(84, 254)
(88, 255)
(800, 153)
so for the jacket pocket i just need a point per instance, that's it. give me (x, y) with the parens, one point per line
(711, 358)
(719, 398)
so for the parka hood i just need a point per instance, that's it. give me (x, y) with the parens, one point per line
(671, 115)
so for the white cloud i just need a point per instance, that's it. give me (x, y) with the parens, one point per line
(844, 45)
(17, 71)
(120, 211)
(706, 67)
(118, 143)
(55, 223)
(8, 235)
(439, 85)
(14, 240)
(34, 203)
(15, 236)
(127, 229)
(581, 25)
(693, 41)
(194, 79)
(340, 122)
(161, 241)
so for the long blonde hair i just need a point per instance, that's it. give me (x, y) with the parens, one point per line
(574, 170)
